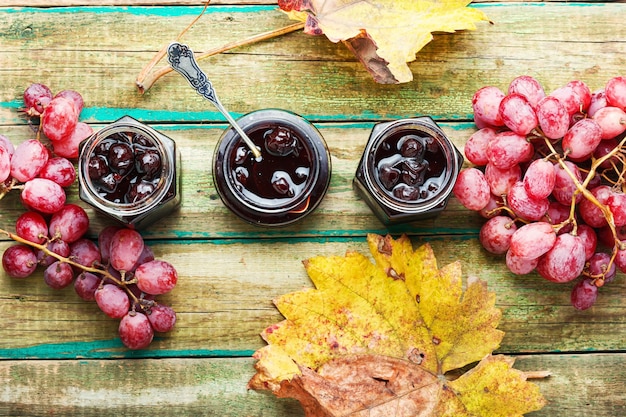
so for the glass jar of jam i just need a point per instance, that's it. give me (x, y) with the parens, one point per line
(407, 170)
(129, 172)
(289, 180)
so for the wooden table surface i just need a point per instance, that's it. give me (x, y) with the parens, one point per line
(62, 356)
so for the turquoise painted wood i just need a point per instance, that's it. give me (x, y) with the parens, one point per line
(61, 356)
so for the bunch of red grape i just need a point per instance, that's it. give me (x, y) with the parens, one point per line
(42, 174)
(58, 117)
(549, 175)
(120, 272)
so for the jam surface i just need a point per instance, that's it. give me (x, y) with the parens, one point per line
(125, 167)
(282, 173)
(410, 166)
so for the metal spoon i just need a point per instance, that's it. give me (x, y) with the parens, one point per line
(181, 59)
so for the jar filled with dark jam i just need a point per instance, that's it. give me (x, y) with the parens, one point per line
(286, 183)
(408, 170)
(129, 171)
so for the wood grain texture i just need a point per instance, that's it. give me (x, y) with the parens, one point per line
(61, 356)
(270, 74)
(217, 387)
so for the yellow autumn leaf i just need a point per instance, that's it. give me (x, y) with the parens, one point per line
(398, 29)
(385, 324)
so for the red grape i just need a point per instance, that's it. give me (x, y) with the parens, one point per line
(85, 252)
(528, 87)
(589, 238)
(476, 146)
(612, 121)
(565, 261)
(600, 265)
(472, 189)
(615, 91)
(533, 240)
(552, 117)
(7, 145)
(616, 202)
(86, 285)
(135, 330)
(495, 234)
(58, 275)
(59, 119)
(501, 180)
(518, 114)
(525, 206)
(584, 294)
(112, 300)
(74, 97)
(19, 261)
(126, 248)
(508, 149)
(32, 227)
(486, 105)
(156, 277)
(590, 212)
(104, 241)
(70, 223)
(57, 246)
(518, 265)
(59, 170)
(582, 138)
(539, 179)
(5, 164)
(598, 101)
(162, 318)
(36, 97)
(28, 159)
(583, 92)
(570, 99)
(43, 195)
(564, 185)
(68, 147)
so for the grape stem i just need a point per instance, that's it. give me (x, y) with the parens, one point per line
(581, 188)
(6, 188)
(96, 270)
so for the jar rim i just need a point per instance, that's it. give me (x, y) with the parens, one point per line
(424, 125)
(283, 211)
(126, 209)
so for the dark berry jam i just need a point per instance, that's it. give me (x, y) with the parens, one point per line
(410, 166)
(280, 176)
(125, 167)
(286, 183)
(407, 170)
(129, 172)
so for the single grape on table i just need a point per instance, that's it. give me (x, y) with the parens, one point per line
(554, 167)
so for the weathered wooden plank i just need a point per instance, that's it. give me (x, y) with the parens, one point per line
(67, 3)
(580, 385)
(224, 300)
(203, 215)
(573, 41)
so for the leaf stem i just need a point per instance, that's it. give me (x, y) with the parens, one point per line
(146, 80)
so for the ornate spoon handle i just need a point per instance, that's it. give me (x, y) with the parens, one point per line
(181, 59)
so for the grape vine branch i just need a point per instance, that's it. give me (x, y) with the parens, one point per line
(122, 282)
